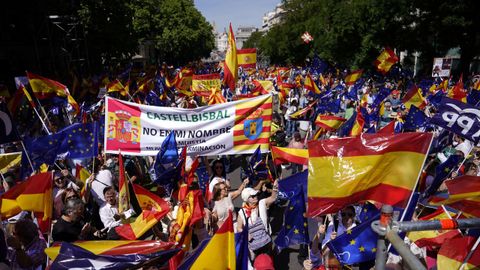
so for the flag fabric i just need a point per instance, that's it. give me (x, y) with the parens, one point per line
(241, 249)
(457, 92)
(329, 122)
(473, 97)
(46, 88)
(295, 227)
(74, 257)
(82, 174)
(306, 37)
(79, 141)
(202, 84)
(442, 171)
(353, 126)
(381, 96)
(459, 118)
(353, 77)
(433, 238)
(414, 97)
(123, 194)
(302, 112)
(216, 96)
(318, 66)
(116, 86)
(382, 168)
(282, 155)
(353, 93)
(8, 129)
(310, 84)
(33, 194)
(115, 247)
(463, 195)
(222, 244)
(454, 252)
(230, 66)
(154, 209)
(415, 118)
(247, 58)
(9, 160)
(288, 186)
(385, 60)
(262, 87)
(256, 169)
(16, 101)
(441, 141)
(356, 245)
(165, 162)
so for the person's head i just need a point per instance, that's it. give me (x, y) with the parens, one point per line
(73, 209)
(59, 180)
(471, 169)
(395, 94)
(25, 231)
(297, 137)
(218, 168)
(250, 196)
(330, 261)
(348, 216)
(263, 262)
(220, 191)
(110, 195)
(388, 105)
(70, 194)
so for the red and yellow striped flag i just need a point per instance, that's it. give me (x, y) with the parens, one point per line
(382, 168)
(201, 84)
(385, 60)
(110, 247)
(283, 155)
(414, 97)
(247, 58)
(230, 68)
(457, 92)
(351, 78)
(46, 88)
(154, 209)
(33, 194)
(329, 122)
(117, 86)
(252, 124)
(454, 251)
(310, 84)
(262, 87)
(222, 244)
(82, 174)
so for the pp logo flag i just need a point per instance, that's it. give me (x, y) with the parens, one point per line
(307, 37)
(459, 118)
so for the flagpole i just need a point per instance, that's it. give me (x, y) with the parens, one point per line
(450, 217)
(26, 154)
(469, 255)
(41, 120)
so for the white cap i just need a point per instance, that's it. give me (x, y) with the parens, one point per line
(247, 192)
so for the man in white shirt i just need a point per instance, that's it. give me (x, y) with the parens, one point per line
(109, 211)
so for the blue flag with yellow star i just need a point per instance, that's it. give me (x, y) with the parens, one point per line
(415, 119)
(295, 229)
(442, 171)
(356, 245)
(79, 141)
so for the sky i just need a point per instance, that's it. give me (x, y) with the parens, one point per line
(238, 12)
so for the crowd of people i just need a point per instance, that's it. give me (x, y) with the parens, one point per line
(89, 210)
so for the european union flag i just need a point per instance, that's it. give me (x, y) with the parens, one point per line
(165, 168)
(441, 172)
(241, 249)
(441, 141)
(203, 178)
(356, 245)
(368, 211)
(318, 65)
(42, 150)
(289, 185)
(473, 98)
(436, 99)
(345, 129)
(75, 257)
(79, 141)
(415, 119)
(353, 93)
(153, 99)
(257, 169)
(382, 95)
(295, 229)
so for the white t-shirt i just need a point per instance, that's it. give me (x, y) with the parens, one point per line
(222, 207)
(103, 179)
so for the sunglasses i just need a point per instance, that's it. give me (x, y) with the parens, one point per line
(254, 196)
(348, 214)
(218, 167)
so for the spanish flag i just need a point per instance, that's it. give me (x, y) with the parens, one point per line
(262, 87)
(351, 78)
(116, 86)
(183, 81)
(82, 174)
(310, 84)
(230, 68)
(458, 92)
(154, 209)
(382, 168)
(222, 245)
(9, 160)
(110, 247)
(34, 194)
(247, 58)
(385, 60)
(123, 194)
(463, 195)
(454, 252)
(414, 97)
(329, 122)
(433, 239)
(201, 84)
(283, 155)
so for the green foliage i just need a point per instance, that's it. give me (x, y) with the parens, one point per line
(179, 31)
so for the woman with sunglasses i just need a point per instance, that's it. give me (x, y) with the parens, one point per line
(223, 202)
(217, 175)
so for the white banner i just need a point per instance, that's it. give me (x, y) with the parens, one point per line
(230, 128)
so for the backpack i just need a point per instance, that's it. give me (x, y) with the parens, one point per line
(258, 236)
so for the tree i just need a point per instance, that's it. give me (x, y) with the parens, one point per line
(179, 31)
(254, 40)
